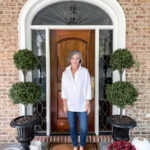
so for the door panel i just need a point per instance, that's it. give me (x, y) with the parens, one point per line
(62, 42)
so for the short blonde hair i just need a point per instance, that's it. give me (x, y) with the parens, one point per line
(73, 53)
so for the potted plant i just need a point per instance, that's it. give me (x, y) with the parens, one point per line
(25, 93)
(121, 93)
(121, 145)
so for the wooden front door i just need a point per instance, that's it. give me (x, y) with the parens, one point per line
(62, 42)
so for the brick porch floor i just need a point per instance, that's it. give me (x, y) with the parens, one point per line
(12, 145)
(103, 140)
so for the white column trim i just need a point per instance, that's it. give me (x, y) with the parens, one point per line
(97, 81)
(48, 88)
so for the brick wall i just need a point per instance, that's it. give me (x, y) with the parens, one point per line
(137, 14)
(9, 12)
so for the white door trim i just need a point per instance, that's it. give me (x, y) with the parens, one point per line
(32, 7)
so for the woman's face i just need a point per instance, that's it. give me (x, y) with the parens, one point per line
(75, 60)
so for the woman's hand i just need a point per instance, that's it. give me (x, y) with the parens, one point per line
(65, 108)
(88, 107)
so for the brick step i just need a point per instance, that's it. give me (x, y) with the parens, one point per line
(67, 138)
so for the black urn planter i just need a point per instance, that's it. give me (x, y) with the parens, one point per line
(25, 131)
(121, 127)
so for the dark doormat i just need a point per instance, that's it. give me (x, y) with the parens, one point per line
(68, 146)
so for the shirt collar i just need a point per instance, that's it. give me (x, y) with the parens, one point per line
(69, 67)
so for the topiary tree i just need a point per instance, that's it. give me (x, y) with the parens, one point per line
(120, 60)
(25, 92)
(121, 93)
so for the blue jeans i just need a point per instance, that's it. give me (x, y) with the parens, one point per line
(83, 118)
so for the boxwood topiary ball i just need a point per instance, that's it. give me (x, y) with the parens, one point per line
(25, 93)
(121, 94)
(25, 60)
(121, 59)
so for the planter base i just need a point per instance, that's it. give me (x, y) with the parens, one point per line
(120, 127)
(25, 136)
(120, 134)
(25, 132)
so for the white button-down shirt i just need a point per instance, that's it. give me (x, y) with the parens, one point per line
(76, 90)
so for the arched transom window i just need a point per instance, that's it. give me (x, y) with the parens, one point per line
(72, 13)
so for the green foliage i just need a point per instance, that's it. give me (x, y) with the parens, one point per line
(25, 60)
(121, 59)
(121, 94)
(25, 93)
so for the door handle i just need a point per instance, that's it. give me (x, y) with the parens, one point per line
(92, 86)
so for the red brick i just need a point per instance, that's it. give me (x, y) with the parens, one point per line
(137, 41)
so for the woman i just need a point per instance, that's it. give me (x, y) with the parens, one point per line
(76, 95)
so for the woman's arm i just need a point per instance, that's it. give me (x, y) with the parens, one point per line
(64, 93)
(89, 96)
(88, 106)
(89, 92)
(65, 107)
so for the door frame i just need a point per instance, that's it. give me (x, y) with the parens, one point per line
(31, 8)
(87, 38)
(115, 76)
(96, 69)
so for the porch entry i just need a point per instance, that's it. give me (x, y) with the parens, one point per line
(62, 42)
